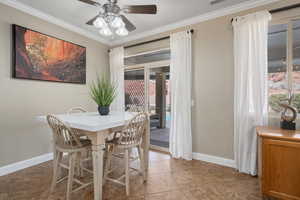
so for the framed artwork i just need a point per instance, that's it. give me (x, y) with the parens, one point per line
(37, 56)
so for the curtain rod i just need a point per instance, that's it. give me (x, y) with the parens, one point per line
(150, 41)
(282, 9)
(285, 8)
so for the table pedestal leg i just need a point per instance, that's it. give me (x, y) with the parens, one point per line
(98, 147)
(98, 170)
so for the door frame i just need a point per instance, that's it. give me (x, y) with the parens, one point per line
(147, 67)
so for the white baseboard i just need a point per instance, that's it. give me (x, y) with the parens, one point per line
(158, 148)
(214, 159)
(25, 164)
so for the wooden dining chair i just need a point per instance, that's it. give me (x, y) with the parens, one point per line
(135, 108)
(66, 140)
(75, 110)
(130, 137)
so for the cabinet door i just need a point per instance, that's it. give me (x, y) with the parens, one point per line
(281, 169)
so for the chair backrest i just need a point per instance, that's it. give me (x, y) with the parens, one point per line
(133, 131)
(64, 136)
(76, 110)
(134, 108)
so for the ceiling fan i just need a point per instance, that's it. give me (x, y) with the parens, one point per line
(212, 2)
(111, 17)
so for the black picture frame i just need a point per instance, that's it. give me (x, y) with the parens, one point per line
(21, 64)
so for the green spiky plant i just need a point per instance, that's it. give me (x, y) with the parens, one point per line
(103, 92)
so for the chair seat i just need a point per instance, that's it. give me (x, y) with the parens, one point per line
(116, 143)
(86, 145)
(113, 136)
(85, 142)
(111, 141)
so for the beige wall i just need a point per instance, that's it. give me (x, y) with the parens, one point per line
(213, 82)
(21, 136)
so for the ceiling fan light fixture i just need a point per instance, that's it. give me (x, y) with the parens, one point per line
(106, 31)
(100, 23)
(117, 23)
(122, 31)
(110, 19)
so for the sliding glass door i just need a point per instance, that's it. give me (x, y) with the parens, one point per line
(147, 89)
(159, 106)
(147, 81)
(135, 94)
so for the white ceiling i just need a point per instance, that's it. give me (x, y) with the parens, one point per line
(169, 12)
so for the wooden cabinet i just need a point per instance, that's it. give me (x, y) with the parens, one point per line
(279, 163)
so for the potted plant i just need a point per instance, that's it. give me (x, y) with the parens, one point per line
(103, 92)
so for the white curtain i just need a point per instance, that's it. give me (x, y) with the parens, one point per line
(251, 86)
(116, 61)
(180, 73)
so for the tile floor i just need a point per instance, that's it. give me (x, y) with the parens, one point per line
(168, 179)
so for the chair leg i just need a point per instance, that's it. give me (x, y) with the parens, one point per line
(126, 157)
(142, 163)
(54, 151)
(72, 163)
(80, 157)
(59, 170)
(55, 170)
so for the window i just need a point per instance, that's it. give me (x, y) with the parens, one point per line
(284, 63)
(148, 57)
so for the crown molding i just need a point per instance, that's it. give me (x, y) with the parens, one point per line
(190, 21)
(194, 20)
(37, 13)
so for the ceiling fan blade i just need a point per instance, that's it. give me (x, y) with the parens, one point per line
(140, 9)
(93, 3)
(129, 26)
(91, 21)
(212, 2)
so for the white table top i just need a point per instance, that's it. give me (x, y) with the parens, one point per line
(92, 121)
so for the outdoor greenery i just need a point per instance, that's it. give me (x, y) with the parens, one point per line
(103, 92)
(274, 99)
